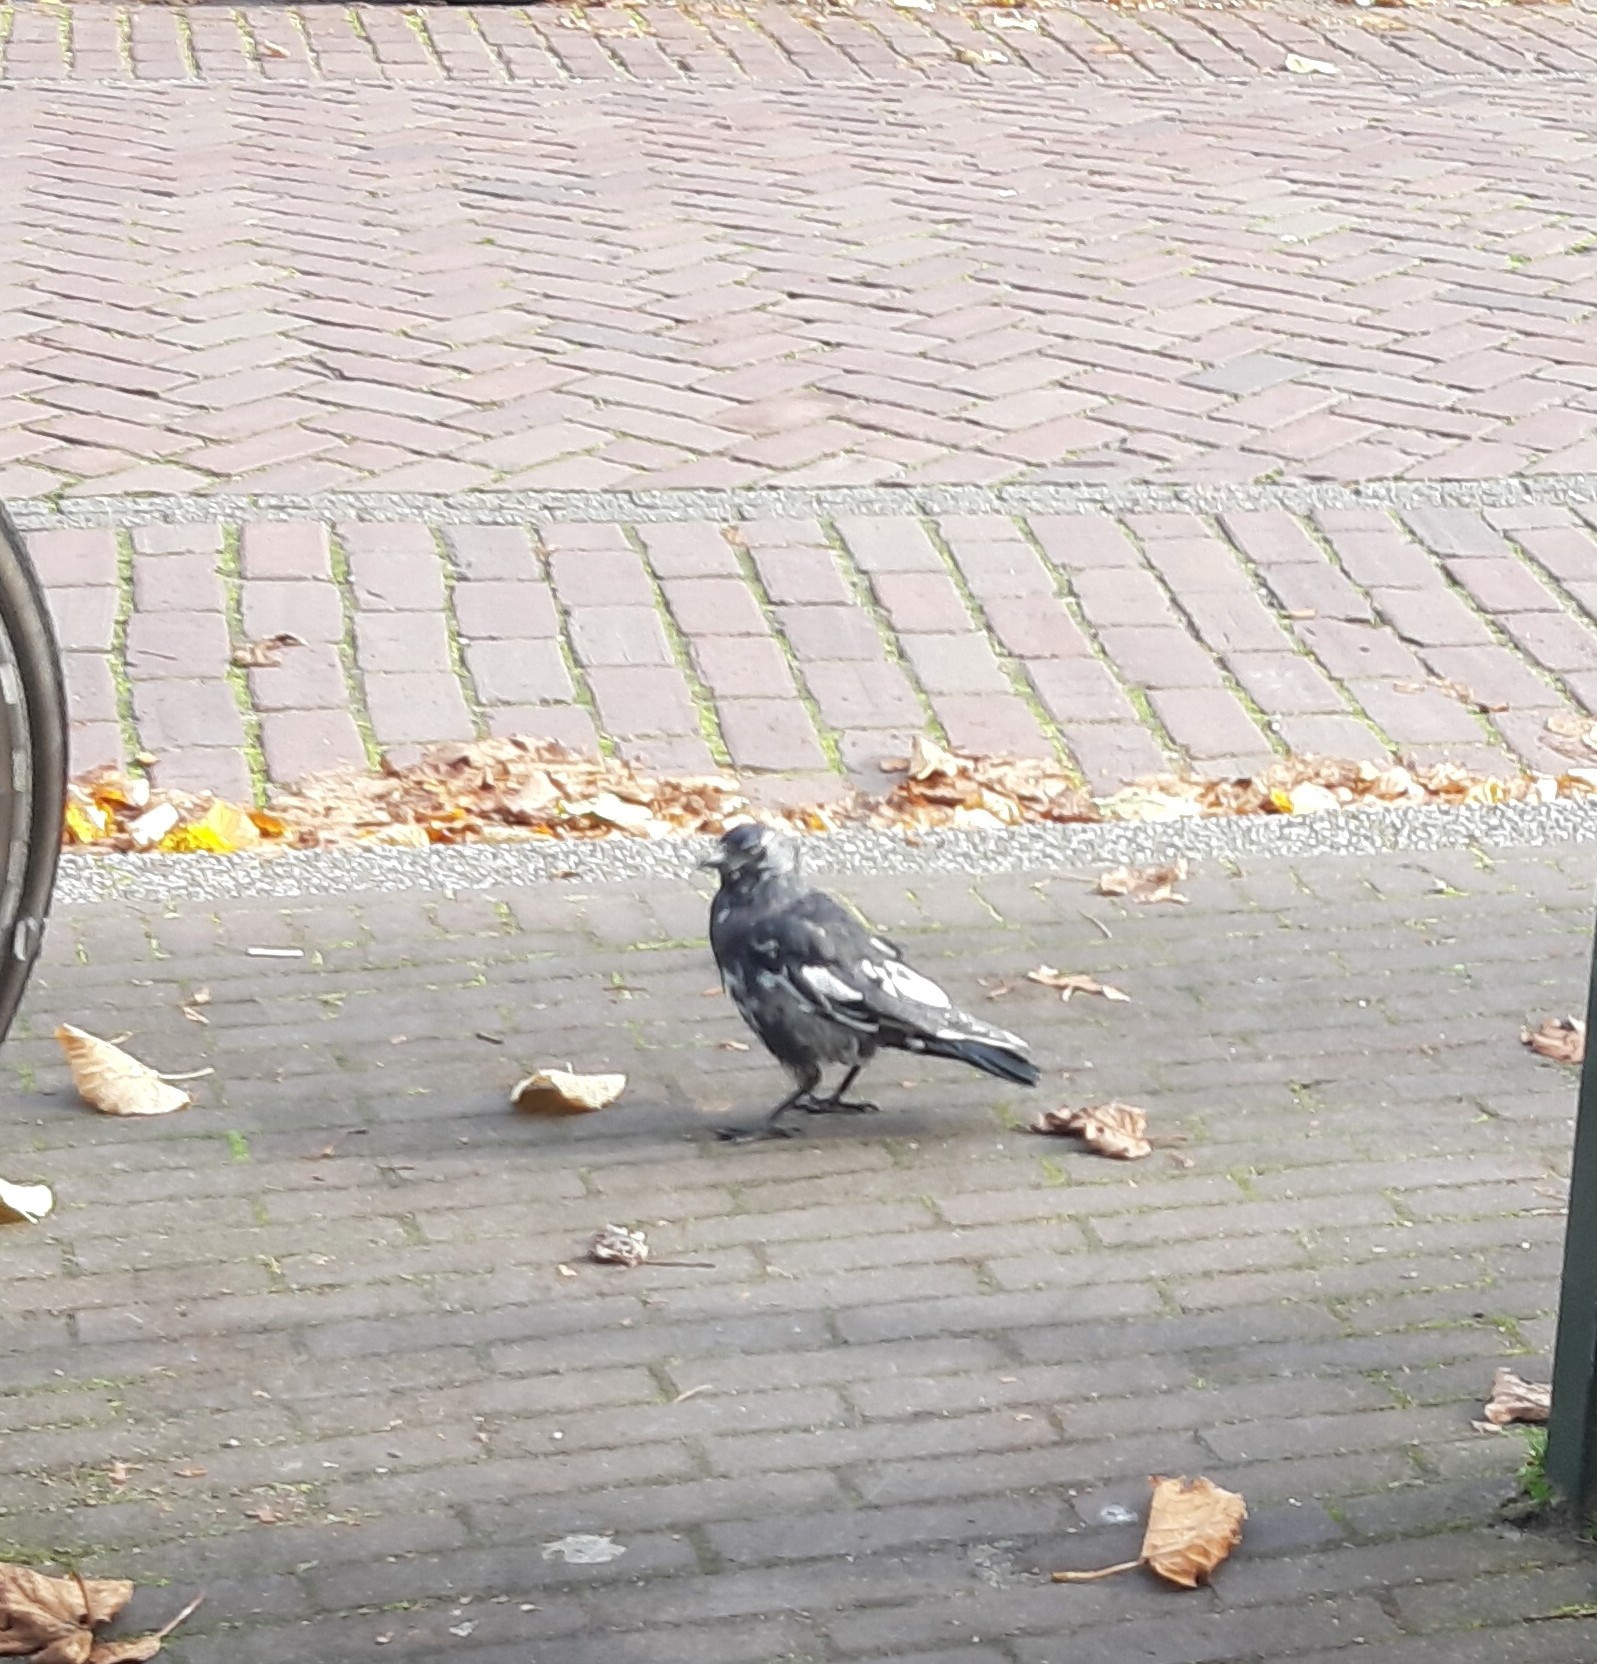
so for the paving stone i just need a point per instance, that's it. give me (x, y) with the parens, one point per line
(297, 743)
(518, 672)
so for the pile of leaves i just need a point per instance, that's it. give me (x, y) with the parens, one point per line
(516, 790)
(496, 791)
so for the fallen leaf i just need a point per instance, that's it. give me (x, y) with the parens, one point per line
(52, 1619)
(732, 1045)
(153, 825)
(1113, 1129)
(516, 790)
(113, 1082)
(24, 1204)
(223, 829)
(557, 1092)
(1307, 799)
(265, 654)
(616, 1245)
(1310, 66)
(189, 1473)
(265, 1514)
(1147, 884)
(930, 761)
(1514, 1399)
(693, 1392)
(119, 1472)
(1563, 1039)
(85, 821)
(1193, 1524)
(1072, 982)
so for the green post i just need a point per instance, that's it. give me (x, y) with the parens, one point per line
(1572, 1431)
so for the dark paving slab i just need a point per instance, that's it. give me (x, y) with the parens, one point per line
(937, 1354)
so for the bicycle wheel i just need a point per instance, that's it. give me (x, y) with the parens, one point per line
(33, 767)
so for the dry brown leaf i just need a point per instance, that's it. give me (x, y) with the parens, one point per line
(267, 654)
(24, 1204)
(1563, 1039)
(1113, 1129)
(1148, 884)
(1193, 1524)
(1514, 1399)
(558, 1092)
(54, 1617)
(1072, 982)
(112, 1081)
(52, 1620)
(616, 1245)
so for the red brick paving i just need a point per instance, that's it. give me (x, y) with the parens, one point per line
(789, 647)
(398, 265)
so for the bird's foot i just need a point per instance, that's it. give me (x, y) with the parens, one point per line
(756, 1135)
(841, 1106)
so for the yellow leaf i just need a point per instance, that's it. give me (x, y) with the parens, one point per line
(223, 829)
(112, 1081)
(268, 824)
(85, 822)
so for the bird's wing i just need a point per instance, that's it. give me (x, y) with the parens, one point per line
(842, 970)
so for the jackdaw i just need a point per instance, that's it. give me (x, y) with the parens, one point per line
(818, 986)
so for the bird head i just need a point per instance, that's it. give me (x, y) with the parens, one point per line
(751, 851)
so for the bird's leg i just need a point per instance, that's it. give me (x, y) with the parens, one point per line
(770, 1127)
(837, 1104)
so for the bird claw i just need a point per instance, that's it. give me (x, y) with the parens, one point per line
(756, 1135)
(841, 1106)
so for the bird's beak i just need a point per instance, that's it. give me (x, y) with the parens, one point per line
(712, 863)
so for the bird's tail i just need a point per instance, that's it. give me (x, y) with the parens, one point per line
(989, 1053)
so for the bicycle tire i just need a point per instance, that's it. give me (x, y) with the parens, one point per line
(33, 767)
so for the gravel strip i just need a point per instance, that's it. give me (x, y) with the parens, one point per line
(794, 502)
(85, 879)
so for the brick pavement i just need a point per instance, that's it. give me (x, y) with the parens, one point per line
(320, 1317)
(801, 653)
(376, 259)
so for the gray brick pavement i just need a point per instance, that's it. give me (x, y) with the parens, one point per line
(926, 1354)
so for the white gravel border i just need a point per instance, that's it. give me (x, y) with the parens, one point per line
(88, 879)
(798, 502)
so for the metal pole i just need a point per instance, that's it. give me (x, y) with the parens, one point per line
(1572, 1429)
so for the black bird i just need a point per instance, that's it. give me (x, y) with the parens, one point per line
(818, 987)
